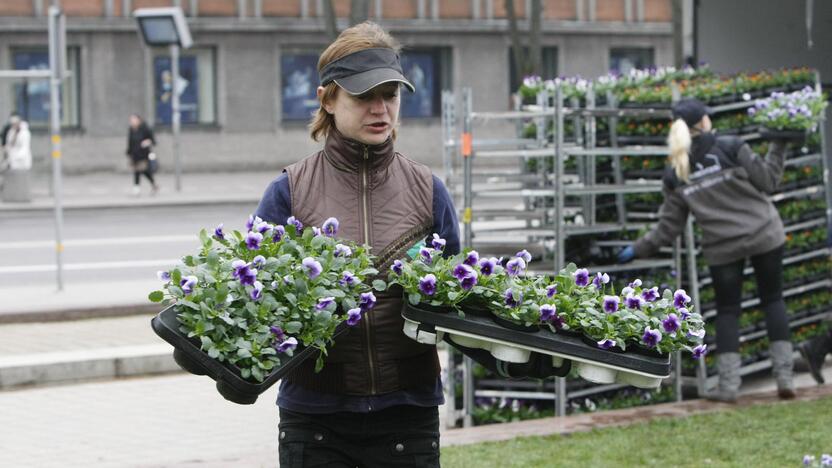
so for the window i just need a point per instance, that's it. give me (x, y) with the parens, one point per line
(548, 64)
(299, 82)
(626, 59)
(31, 97)
(429, 70)
(195, 86)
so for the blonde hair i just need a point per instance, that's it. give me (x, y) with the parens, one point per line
(679, 141)
(366, 35)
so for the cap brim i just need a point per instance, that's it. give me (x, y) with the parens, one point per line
(362, 82)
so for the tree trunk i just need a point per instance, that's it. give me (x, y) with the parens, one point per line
(359, 11)
(535, 54)
(331, 27)
(517, 52)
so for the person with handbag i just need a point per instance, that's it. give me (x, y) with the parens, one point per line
(140, 141)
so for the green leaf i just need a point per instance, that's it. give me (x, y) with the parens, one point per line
(452, 295)
(156, 296)
(213, 352)
(414, 298)
(293, 327)
(379, 285)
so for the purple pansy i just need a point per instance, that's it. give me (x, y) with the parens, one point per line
(187, 284)
(324, 302)
(259, 261)
(330, 227)
(808, 460)
(218, 234)
(163, 275)
(461, 271)
(243, 272)
(437, 242)
(341, 249)
(253, 240)
(262, 227)
(487, 266)
(257, 291)
(252, 221)
(606, 343)
(651, 337)
(366, 301)
(650, 295)
(427, 284)
(696, 333)
(278, 332)
(288, 280)
(581, 277)
(426, 255)
(287, 345)
(348, 279)
(600, 280)
(510, 299)
(700, 350)
(278, 232)
(825, 459)
(469, 281)
(316, 231)
(472, 258)
(312, 267)
(684, 313)
(353, 316)
(671, 324)
(636, 283)
(295, 222)
(525, 255)
(611, 304)
(633, 302)
(515, 266)
(547, 312)
(397, 267)
(551, 290)
(680, 299)
(557, 321)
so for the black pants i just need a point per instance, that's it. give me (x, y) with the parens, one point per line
(400, 436)
(147, 173)
(727, 283)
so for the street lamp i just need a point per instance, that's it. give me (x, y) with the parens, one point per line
(167, 27)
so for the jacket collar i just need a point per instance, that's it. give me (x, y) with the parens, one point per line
(347, 154)
(701, 143)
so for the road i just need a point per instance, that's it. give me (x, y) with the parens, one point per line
(106, 244)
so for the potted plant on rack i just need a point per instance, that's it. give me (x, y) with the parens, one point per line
(789, 116)
(250, 305)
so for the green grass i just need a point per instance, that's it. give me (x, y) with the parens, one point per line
(776, 435)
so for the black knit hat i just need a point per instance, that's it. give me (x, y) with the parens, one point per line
(690, 110)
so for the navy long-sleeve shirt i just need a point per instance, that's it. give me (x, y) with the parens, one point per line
(275, 207)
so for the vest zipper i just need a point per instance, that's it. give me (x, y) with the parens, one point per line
(365, 223)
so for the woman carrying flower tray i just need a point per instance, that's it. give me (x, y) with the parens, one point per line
(726, 185)
(374, 402)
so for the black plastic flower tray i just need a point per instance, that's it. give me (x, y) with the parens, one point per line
(790, 135)
(569, 347)
(230, 383)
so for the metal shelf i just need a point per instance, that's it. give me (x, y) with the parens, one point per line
(732, 106)
(516, 153)
(599, 189)
(797, 323)
(786, 261)
(641, 264)
(800, 160)
(814, 189)
(708, 314)
(619, 151)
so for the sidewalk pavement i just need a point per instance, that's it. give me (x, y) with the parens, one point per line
(114, 190)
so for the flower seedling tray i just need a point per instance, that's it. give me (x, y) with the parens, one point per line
(230, 383)
(772, 134)
(594, 364)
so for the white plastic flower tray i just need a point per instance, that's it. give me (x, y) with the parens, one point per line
(593, 364)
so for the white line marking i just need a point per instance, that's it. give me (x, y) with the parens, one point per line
(89, 266)
(99, 242)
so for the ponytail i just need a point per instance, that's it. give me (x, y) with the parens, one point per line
(679, 142)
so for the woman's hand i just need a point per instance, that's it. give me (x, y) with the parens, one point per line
(146, 143)
(626, 254)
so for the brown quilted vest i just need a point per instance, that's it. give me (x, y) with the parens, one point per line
(385, 200)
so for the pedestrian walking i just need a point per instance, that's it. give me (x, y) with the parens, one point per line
(375, 403)
(725, 185)
(140, 143)
(18, 144)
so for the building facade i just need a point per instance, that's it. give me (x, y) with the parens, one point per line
(247, 86)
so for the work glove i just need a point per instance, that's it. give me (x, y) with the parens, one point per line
(626, 254)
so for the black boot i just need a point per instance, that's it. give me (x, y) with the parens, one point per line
(814, 352)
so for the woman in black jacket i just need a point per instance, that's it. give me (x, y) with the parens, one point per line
(725, 186)
(140, 141)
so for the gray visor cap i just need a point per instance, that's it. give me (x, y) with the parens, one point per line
(362, 82)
